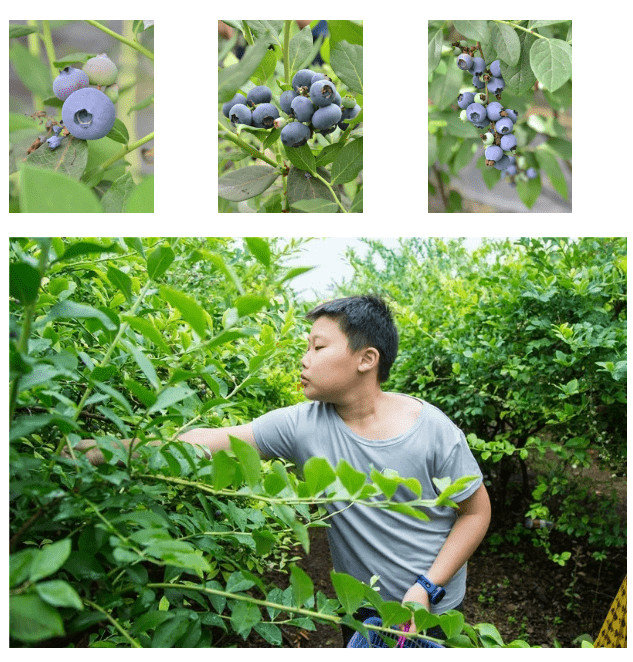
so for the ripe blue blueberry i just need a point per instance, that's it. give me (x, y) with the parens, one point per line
(494, 111)
(464, 62)
(478, 83)
(323, 93)
(286, 99)
(226, 107)
(495, 69)
(69, 80)
(476, 112)
(503, 163)
(295, 134)
(512, 114)
(504, 125)
(259, 94)
(264, 116)
(303, 78)
(508, 142)
(88, 114)
(241, 114)
(511, 170)
(317, 77)
(465, 99)
(478, 67)
(348, 114)
(101, 70)
(531, 173)
(326, 117)
(496, 85)
(302, 109)
(54, 142)
(493, 153)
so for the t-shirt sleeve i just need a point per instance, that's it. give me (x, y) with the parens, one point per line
(276, 432)
(461, 462)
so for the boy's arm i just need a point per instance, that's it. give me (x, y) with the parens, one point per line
(468, 531)
(210, 439)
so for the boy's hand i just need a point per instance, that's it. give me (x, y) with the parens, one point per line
(89, 448)
(417, 594)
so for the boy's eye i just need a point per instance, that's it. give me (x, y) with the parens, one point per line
(318, 348)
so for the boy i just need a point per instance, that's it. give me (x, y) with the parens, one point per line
(351, 347)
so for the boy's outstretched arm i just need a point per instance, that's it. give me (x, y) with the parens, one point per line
(210, 439)
(468, 531)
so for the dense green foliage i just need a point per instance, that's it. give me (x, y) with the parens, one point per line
(523, 345)
(143, 338)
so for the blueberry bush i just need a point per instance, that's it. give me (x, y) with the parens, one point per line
(488, 74)
(523, 344)
(72, 150)
(289, 120)
(140, 338)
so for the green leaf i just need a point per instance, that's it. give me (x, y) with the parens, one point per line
(59, 594)
(144, 364)
(489, 634)
(247, 182)
(451, 623)
(71, 310)
(260, 249)
(318, 474)
(24, 282)
(31, 619)
(146, 328)
(388, 486)
(50, 559)
(170, 396)
(223, 471)
(551, 61)
(301, 584)
(347, 61)
(249, 460)
(158, 261)
(189, 309)
(122, 281)
(393, 613)
(435, 51)
(351, 479)
(167, 634)
(349, 591)
(250, 304)
(270, 632)
(348, 162)
(243, 617)
(85, 248)
(237, 582)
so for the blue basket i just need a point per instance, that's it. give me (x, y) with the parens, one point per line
(375, 639)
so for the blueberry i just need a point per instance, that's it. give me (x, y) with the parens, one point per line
(464, 62)
(317, 77)
(496, 85)
(488, 139)
(69, 80)
(531, 173)
(495, 69)
(511, 170)
(264, 115)
(508, 142)
(54, 142)
(476, 112)
(241, 114)
(463, 116)
(503, 163)
(259, 94)
(465, 99)
(303, 78)
(481, 98)
(101, 70)
(295, 134)
(112, 92)
(479, 84)
(326, 117)
(494, 111)
(504, 125)
(302, 109)
(286, 99)
(512, 114)
(479, 66)
(348, 114)
(323, 92)
(88, 114)
(493, 153)
(226, 107)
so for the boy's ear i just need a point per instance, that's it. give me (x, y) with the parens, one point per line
(369, 359)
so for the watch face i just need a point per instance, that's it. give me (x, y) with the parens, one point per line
(437, 595)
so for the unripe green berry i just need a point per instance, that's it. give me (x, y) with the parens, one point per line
(463, 116)
(481, 98)
(101, 70)
(112, 92)
(488, 138)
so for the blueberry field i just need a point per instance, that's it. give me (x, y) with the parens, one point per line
(521, 342)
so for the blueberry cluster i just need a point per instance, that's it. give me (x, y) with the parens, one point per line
(88, 113)
(481, 112)
(313, 104)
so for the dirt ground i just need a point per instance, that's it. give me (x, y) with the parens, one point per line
(516, 588)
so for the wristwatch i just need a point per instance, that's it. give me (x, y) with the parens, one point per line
(436, 593)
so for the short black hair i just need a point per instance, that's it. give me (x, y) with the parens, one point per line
(367, 322)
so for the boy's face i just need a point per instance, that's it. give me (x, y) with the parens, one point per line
(329, 367)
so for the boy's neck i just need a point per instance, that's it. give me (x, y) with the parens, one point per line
(361, 407)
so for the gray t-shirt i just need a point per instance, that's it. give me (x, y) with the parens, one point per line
(369, 541)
